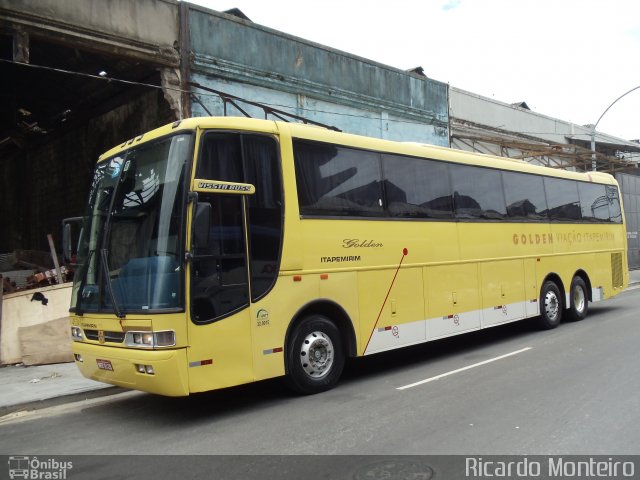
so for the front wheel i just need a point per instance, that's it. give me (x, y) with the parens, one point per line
(578, 300)
(315, 357)
(550, 306)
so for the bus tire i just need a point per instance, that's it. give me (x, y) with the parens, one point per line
(578, 300)
(550, 306)
(315, 357)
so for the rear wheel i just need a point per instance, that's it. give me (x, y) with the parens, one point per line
(315, 357)
(578, 299)
(550, 306)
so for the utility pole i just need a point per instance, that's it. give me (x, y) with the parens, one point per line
(594, 166)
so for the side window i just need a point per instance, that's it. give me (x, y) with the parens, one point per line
(416, 187)
(477, 192)
(562, 199)
(615, 211)
(525, 197)
(264, 211)
(219, 272)
(338, 181)
(221, 158)
(594, 204)
(219, 281)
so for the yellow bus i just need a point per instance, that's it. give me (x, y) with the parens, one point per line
(220, 251)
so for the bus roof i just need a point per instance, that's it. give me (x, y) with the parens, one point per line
(315, 133)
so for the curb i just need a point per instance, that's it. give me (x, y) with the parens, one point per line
(60, 400)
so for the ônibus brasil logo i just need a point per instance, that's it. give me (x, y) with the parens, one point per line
(38, 469)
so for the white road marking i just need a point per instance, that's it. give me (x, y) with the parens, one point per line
(468, 367)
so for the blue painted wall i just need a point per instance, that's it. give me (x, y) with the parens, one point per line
(325, 85)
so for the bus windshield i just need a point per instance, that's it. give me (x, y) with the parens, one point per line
(129, 249)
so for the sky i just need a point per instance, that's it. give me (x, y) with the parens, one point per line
(568, 59)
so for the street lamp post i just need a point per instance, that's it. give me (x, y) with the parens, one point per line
(593, 130)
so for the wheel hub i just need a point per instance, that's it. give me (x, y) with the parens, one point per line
(579, 299)
(316, 354)
(551, 305)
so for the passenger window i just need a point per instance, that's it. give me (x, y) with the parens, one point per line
(594, 204)
(477, 192)
(416, 187)
(525, 197)
(562, 199)
(337, 181)
(615, 211)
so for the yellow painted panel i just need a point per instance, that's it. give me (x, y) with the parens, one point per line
(483, 241)
(502, 283)
(452, 289)
(453, 299)
(227, 344)
(405, 302)
(270, 319)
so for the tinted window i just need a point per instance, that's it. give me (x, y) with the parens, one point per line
(562, 199)
(219, 272)
(264, 215)
(416, 187)
(219, 282)
(221, 158)
(594, 204)
(524, 195)
(615, 210)
(477, 192)
(334, 180)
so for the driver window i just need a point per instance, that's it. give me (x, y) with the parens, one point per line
(219, 271)
(219, 282)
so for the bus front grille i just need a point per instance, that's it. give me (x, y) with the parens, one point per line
(112, 337)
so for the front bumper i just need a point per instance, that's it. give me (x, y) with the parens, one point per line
(170, 375)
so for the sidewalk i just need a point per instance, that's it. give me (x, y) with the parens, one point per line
(40, 386)
(31, 388)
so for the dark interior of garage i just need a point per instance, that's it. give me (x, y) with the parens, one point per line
(62, 107)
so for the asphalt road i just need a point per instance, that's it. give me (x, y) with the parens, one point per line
(507, 390)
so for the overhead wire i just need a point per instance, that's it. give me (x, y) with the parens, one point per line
(108, 78)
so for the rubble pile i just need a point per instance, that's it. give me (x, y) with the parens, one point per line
(28, 269)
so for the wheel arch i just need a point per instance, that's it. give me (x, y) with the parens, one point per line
(333, 312)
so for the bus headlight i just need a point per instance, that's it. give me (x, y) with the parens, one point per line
(165, 338)
(76, 334)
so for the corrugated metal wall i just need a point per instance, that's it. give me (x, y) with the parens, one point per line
(630, 188)
(325, 85)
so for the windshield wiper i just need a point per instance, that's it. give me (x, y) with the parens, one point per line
(107, 280)
(83, 283)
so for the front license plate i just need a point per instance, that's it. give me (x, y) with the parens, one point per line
(104, 365)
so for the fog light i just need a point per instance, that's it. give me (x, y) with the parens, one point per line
(78, 357)
(149, 369)
(140, 368)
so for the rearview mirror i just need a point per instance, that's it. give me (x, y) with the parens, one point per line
(71, 228)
